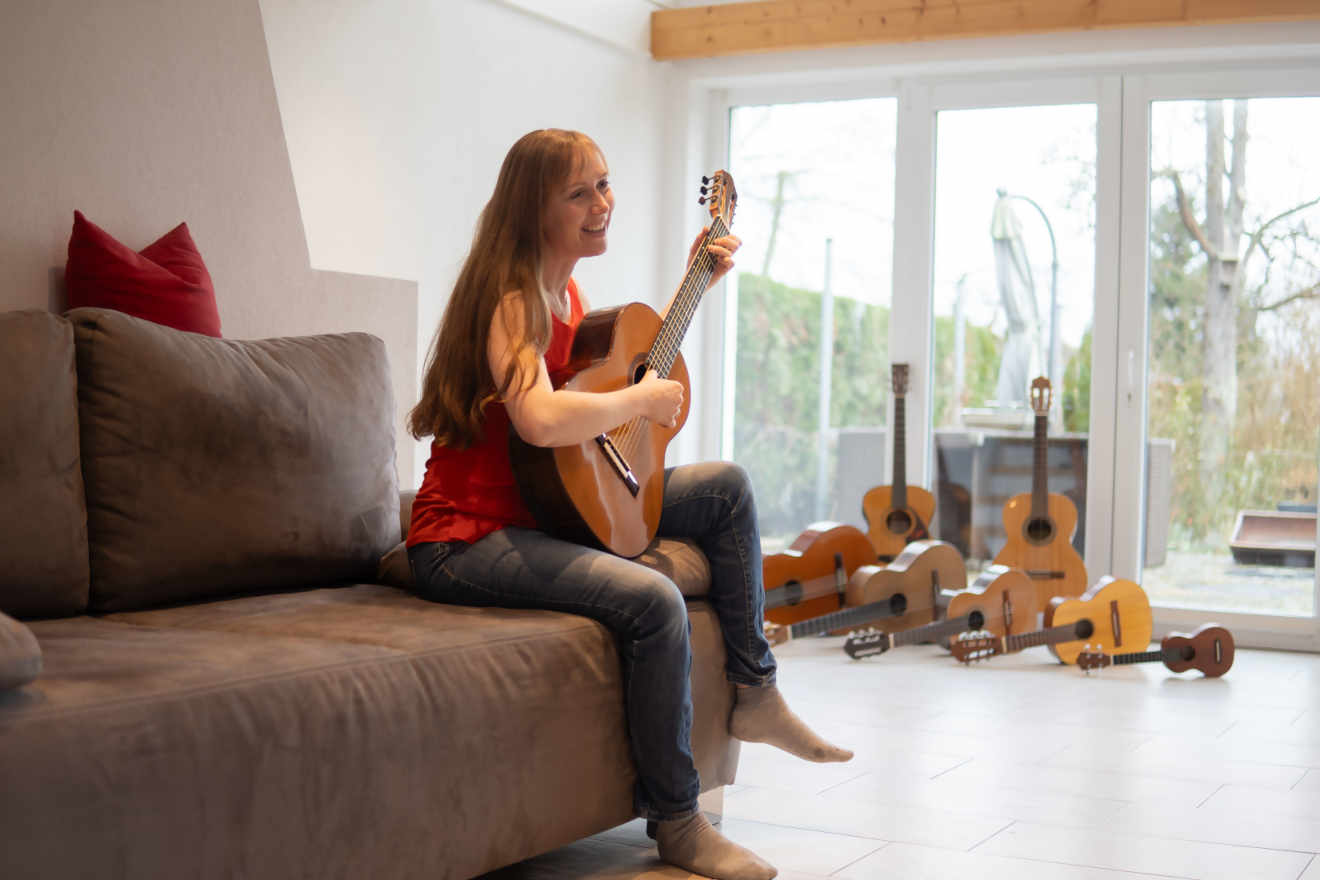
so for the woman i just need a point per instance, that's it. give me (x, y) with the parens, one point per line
(508, 328)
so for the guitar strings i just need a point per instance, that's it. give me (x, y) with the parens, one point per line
(664, 351)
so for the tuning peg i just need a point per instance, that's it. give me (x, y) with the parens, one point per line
(705, 179)
(701, 201)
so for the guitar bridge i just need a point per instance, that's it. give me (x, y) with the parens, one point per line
(620, 464)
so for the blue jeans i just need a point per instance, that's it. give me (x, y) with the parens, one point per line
(525, 568)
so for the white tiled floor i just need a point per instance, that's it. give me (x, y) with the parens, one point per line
(1019, 768)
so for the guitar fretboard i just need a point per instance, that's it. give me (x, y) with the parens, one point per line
(1137, 657)
(1052, 636)
(856, 616)
(898, 485)
(931, 631)
(1039, 453)
(675, 326)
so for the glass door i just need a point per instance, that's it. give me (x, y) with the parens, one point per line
(1222, 338)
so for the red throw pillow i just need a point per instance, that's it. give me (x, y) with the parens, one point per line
(166, 282)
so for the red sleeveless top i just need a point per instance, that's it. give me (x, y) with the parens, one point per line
(469, 493)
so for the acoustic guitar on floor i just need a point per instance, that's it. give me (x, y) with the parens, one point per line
(810, 578)
(1040, 524)
(607, 491)
(897, 596)
(1001, 601)
(1113, 615)
(1209, 650)
(897, 514)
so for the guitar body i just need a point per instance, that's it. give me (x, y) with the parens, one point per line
(811, 557)
(1004, 598)
(919, 574)
(573, 491)
(891, 528)
(1118, 610)
(1042, 546)
(1209, 649)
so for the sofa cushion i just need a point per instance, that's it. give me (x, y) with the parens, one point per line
(20, 655)
(43, 523)
(165, 282)
(269, 736)
(216, 466)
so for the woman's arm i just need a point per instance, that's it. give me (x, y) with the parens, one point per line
(546, 417)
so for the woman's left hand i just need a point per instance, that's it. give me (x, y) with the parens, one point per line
(721, 249)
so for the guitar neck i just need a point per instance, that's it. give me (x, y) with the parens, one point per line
(855, 616)
(1040, 449)
(675, 325)
(1137, 657)
(898, 485)
(930, 632)
(1052, 636)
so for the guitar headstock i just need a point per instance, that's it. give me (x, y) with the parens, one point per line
(869, 642)
(1040, 396)
(899, 378)
(720, 196)
(1092, 658)
(973, 646)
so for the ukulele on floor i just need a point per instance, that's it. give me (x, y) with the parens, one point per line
(1114, 614)
(607, 491)
(897, 596)
(1001, 601)
(810, 578)
(1209, 649)
(1040, 524)
(897, 514)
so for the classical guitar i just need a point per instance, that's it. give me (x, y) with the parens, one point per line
(897, 514)
(1001, 601)
(1209, 649)
(1040, 524)
(607, 491)
(810, 578)
(897, 596)
(1113, 614)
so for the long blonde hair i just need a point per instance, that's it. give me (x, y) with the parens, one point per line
(505, 256)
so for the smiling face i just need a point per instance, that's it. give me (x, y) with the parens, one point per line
(577, 215)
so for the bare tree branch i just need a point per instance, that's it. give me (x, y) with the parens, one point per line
(1312, 292)
(1188, 219)
(1260, 231)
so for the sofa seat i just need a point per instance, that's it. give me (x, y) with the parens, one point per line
(262, 735)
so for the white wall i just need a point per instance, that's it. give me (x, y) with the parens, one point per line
(398, 113)
(143, 114)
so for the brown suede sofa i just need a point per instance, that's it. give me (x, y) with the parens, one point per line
(193, 529)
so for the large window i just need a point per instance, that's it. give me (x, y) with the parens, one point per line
(808, 366)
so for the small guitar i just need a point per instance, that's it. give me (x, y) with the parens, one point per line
(897, 596)
(1209, 649)
(1040, 524)
(607, 491)
(897, 514)
(1112, 614)
(1001, 601)
(810, 578)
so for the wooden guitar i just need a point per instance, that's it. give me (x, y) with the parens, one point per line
(607, 491)
(1209, 649)
(1001, 601)
(897, 596)
(897, 514)
(810, 578)
(1040, 524)
(1115, 613)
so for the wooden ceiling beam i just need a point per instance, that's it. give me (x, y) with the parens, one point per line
(783, 25)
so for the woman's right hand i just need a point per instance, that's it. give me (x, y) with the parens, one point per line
(662, 399)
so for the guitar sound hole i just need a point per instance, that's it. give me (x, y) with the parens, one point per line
(898, 522)
(1084, 629)
(1039, 530)
(975, 620)
(639, 370)
(898, 604)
